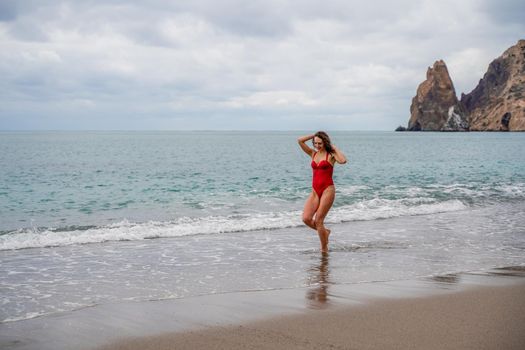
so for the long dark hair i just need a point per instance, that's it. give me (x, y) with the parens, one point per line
(326, 140)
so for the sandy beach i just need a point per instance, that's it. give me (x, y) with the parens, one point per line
(468, 310)
(481, 317)
(485, 318)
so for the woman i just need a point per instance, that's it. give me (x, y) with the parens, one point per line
(323, 190)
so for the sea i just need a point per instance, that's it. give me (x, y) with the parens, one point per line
(99, 217)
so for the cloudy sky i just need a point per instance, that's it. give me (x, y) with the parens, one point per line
(226, 64)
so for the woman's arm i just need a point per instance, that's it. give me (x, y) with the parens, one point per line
(301, 140)
(338, 155)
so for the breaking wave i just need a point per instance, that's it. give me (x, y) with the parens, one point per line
(132, 231)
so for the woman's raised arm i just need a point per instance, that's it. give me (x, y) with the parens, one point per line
(301, 140)
(338, 155)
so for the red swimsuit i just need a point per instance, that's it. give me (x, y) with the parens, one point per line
(322, 175)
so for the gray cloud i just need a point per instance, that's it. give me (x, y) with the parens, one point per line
(8, 10)
(505, 12)
(233, 64)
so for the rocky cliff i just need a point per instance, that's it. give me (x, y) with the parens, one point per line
(435, 106)
(498, 102)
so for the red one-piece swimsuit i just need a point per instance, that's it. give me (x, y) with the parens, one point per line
(322, 175)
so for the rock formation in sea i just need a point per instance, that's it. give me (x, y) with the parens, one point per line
(435, 106)
(498, 102)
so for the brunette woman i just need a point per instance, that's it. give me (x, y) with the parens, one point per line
(324, 156)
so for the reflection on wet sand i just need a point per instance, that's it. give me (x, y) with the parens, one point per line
(449, 278)
(518, 271)
(318, 279)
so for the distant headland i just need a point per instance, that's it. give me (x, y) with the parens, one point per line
(496, 104)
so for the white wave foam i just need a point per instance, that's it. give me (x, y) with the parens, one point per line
(480, 190)
(498, 191)
(352, 189)
(126, 231)
(26, 316)
(517, 190)
(383, 209)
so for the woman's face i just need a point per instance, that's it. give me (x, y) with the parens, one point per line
(318, 143)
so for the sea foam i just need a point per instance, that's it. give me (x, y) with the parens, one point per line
(131, 231)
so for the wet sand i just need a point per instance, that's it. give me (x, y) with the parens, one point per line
(478, 317)
(470, 310)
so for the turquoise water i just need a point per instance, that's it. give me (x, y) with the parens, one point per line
(62, 183)
(78, 211)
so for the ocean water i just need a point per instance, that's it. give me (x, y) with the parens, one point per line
(89, 218)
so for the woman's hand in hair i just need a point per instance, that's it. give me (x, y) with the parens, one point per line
(301, 140)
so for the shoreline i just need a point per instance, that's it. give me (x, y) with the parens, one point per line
(120, 325)
(360, 252)
(480, 318)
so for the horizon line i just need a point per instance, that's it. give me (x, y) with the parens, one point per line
(207, 130)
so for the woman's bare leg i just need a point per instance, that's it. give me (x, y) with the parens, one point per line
(310, 207)
(325, 203)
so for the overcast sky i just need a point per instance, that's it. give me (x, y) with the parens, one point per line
(258, 65)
